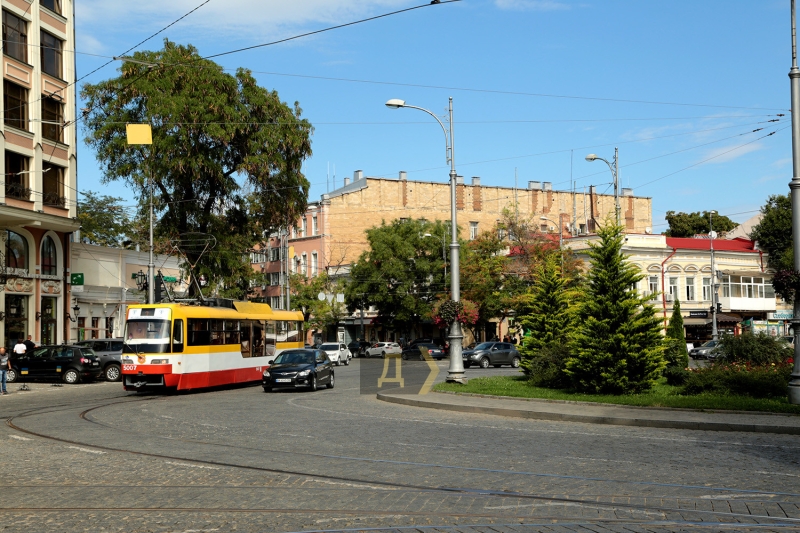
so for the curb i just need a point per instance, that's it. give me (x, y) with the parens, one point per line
(514, 412)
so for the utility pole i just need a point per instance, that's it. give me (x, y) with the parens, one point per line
(714, 295)
(616, 184)
(794, 185)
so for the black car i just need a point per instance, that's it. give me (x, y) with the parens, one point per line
(416, 351)
(300, 368)
(492, 353)
(69, 363)
(357, 348)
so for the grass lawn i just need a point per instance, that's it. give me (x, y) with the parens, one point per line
(662, 395)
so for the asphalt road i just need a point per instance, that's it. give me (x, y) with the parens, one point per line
(94, 458)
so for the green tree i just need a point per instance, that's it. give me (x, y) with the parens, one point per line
(618, 346)
(103, 220)
(676, 354)
(774, 232)
(319, 314)
(691, 224)
(401, 273)
(483, 276)
(226, 156)
(549, 321)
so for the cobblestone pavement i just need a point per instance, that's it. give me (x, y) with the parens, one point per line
(241, 460)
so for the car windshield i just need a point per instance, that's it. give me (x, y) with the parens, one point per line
(329, 347)
(710, 344)
(483, 346)
(295, 358)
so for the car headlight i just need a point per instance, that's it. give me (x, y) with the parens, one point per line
(265, 374)
(304, 372)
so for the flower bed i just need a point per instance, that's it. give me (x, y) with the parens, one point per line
(742, 379)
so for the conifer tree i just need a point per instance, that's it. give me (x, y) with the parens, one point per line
(676, 353)
(618, 347)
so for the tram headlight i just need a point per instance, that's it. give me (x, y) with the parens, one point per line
(304, 373)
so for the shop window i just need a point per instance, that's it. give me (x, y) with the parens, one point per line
(51, 47)
(16, 251)
(53, 185)
(15, 37)
(17, 176)
(52, 119)
(15, 105)
(49, 257)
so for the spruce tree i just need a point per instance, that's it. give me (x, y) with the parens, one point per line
(550, 318)
(676, 353)
(618, 347)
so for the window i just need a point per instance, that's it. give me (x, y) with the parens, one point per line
(653, 285)
(275, 302)
(15, 105)
(16, 251)
(51, 54)
(314, 263)
(52, 5)
(49, 257)
(109, 327)
(177, 336)
(303, 227)
(275, 278)
(473, 231)
(203, 331)
(689, 289)
(15, 37)
(314, 225)
(17, 176)
(95, 327)
(673, 287)
(706, 289)
(53, 185)
(294, 232)
(304, 265)
(274, 254)
(52, 119)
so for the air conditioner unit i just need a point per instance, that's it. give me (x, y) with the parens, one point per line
(670, 297)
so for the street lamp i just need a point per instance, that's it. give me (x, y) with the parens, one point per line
(794, 185)
(456, 370)
(714, 285)
(614, 167)
(443, 240)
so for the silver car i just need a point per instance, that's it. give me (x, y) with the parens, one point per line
(109, 351)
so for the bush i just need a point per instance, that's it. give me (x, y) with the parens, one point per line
(740, 379)
(676, 375)
(758, 349)
(675, 353)
(546, 367)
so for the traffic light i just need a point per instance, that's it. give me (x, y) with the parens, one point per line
(157, 289)
(719, 307)
(711, 309)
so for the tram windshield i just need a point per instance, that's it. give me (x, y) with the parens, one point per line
(147, 336)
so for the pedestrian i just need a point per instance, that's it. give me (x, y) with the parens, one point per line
(505, 338)
(5, 365)
(20, 348)
(29, 345)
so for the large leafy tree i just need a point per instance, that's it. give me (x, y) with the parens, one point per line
(618, 347)
(225, 160)
(483, 275)
(401, 273)
(319, 314)
(774, 232)
(104, 221)
(691, 224)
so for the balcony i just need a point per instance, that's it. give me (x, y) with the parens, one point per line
(54, 200)
(18, 191)
(748, 304)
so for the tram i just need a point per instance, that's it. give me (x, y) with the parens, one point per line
(184, 346)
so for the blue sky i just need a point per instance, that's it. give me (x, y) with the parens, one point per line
(537, 84)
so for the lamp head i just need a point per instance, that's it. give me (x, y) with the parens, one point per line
(543, 218)
(427, 235)
(395, 103)
(591, 157)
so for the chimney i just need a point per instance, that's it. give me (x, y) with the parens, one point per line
(403, 175)
(535, 185)
(347, 181)
(460, 180)
(627, 192)
(476, 181)
(357, 175)
(548, 185)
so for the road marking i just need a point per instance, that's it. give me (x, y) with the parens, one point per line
(18, 437)
(777, 474)
(187, 465)
(87, 450)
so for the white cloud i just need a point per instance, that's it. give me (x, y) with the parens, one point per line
(532, 5)
(88, 44)
(729, 153)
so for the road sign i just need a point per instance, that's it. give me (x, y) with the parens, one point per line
(170, 279)
(76, 279)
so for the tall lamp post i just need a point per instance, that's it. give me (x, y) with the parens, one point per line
(615, 174)
(794, 185)
(456, 370)
(714, 285)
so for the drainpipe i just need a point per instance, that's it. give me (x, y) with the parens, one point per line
(664, 292)
(761, 258)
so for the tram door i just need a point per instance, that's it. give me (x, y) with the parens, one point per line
(246, 338)
(258, 339)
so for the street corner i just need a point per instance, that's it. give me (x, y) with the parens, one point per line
(399, 376)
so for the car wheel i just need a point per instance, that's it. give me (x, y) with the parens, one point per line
(421, 357)
(112, 373)
(330, 382)
(312, 384)
(267, 389)
(71, 376)
(484, 363)
(383, 355)
(515, 362)
(11, 375)
(347, 362)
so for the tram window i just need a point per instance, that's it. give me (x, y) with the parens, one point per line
(199, 334)
(282, 330)
(177, 336)
(258, 339)
(292, 333)
(270, 334)
(232, 332)
(244, 334)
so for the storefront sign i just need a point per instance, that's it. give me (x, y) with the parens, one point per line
(76, 280)
(780, 315)
(698, 314)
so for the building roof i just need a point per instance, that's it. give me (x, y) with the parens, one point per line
(722, 245)
(744, 229)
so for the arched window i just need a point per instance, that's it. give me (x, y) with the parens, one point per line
(49, 257)
(16, 251)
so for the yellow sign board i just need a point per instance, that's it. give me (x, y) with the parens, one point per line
(139, 133)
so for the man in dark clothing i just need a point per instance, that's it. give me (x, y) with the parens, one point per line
(29, 345)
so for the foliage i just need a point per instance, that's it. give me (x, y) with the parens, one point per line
(744, 379)
(103, 220)
(550, 318)
(675, 354)
(786, 284)
(400, 273)
(483, 278)
(758, 349)
(546, 367)
(774, 232)
(618, 346)
(226, 156)
(318, 313)
(691, 224)
(445, 312)
(675, 375)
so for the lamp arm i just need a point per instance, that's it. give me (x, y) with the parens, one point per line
(444, 130)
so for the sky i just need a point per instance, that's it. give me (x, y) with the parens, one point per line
(537, 85)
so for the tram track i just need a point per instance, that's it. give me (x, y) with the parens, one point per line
(594, 503)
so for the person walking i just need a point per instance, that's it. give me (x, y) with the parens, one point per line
(5, 366)
(29, 345)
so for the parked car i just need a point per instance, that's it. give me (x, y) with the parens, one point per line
(381, 349)
(492, 353)
(300, 368)
(416, 351)
(707, 350)
(69, 363)
(357, 348)
(109, 351)
(337, 352)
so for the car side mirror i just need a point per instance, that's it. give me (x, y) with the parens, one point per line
(270, 361)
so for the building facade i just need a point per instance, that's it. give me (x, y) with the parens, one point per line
(38, 205)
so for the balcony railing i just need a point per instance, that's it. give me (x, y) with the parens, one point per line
(18, 191)
(54, 200)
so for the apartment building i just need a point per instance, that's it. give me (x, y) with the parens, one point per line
(38, 205)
